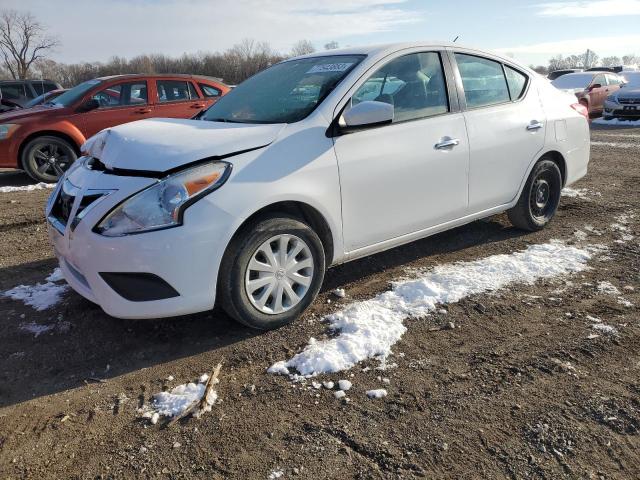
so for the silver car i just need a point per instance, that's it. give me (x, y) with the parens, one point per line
(625, 103)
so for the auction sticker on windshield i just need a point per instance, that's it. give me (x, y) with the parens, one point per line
(330, 67)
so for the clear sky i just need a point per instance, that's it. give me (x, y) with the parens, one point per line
(533, 31)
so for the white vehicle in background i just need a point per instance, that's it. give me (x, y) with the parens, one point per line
(624, 104)
(313, 162)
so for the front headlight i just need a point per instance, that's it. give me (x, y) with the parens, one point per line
(162, 204)
(7, 129)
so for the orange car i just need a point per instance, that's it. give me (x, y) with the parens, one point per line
(46, 139)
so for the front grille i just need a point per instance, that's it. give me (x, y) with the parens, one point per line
(629, 100)
(63, 204)
(627, 113)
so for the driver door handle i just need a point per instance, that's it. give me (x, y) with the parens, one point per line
(535, 125)
(198, 105)
(143, 110)
(446, 142)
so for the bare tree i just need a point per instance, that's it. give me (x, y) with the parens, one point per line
(331, 45)
(612, 61)
(302, 47)
(23, 41)
(630, 59)
(557, 63)
(589, 59)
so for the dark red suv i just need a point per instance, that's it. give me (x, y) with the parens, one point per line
(46, 139)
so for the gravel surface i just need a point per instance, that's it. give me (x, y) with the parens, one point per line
(516, 383)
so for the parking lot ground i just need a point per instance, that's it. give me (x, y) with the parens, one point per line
(517, 383)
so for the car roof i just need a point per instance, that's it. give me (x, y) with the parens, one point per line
(160, 75)
(382, 50)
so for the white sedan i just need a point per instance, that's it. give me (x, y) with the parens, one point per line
(313, 162)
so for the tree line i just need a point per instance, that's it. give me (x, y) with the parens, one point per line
(25, 48)
(586, 60)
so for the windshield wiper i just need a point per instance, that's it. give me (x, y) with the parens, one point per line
(224, 120)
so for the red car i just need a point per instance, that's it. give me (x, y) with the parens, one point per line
(46, 139)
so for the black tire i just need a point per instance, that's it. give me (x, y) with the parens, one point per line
(539, 199)
(232, 292)
(47, 157)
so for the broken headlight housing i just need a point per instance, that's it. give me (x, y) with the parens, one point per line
(162, 204)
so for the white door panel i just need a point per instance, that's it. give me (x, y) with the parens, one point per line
(394, 181)
(502, 148)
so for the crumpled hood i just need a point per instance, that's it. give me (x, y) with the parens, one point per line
(162, 144)
(23, 113)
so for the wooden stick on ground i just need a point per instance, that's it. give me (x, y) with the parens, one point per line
(199, 405)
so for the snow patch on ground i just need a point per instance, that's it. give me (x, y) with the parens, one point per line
(40, 296)
(378, 393)
(36, 328)
(606, 329)
(616, 122)
(607, 288)
(278, 473)
(178, 399)
(616, 145)
(370, 328)
(582, 193)
(27, 188)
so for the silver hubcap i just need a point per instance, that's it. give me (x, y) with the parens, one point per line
(279, 274)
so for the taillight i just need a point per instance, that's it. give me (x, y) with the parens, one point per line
(581, 109)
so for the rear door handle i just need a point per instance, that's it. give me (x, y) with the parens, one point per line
(534, 125)
(198, 105)
(446, 142)
(143, 110)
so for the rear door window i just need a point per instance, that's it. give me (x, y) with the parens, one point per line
(483, 81)
(175, 91)
(193, 93)
(599, 79)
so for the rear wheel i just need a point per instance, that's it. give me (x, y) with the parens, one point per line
(46, 158)
(539, 199)
(271, 272)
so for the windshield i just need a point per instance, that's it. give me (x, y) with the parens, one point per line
(632, 79)
(74, 94)
(36, 101)
(284, 93)
(573, 80)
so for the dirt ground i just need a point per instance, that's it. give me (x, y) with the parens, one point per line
(516, 390)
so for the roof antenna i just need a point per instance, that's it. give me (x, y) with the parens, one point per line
(454, 40)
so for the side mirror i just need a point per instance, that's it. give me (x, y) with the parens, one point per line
(89, 105)
(366, 115)
(594, 86)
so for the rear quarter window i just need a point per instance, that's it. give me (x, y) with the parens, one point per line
(517, 82)
(209, 91)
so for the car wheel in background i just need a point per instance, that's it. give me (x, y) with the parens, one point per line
(272, 271)
(540, 197)
(47, 157)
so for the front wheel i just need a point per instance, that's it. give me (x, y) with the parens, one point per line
(539, 199)
(271, 272)
(46, 158)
